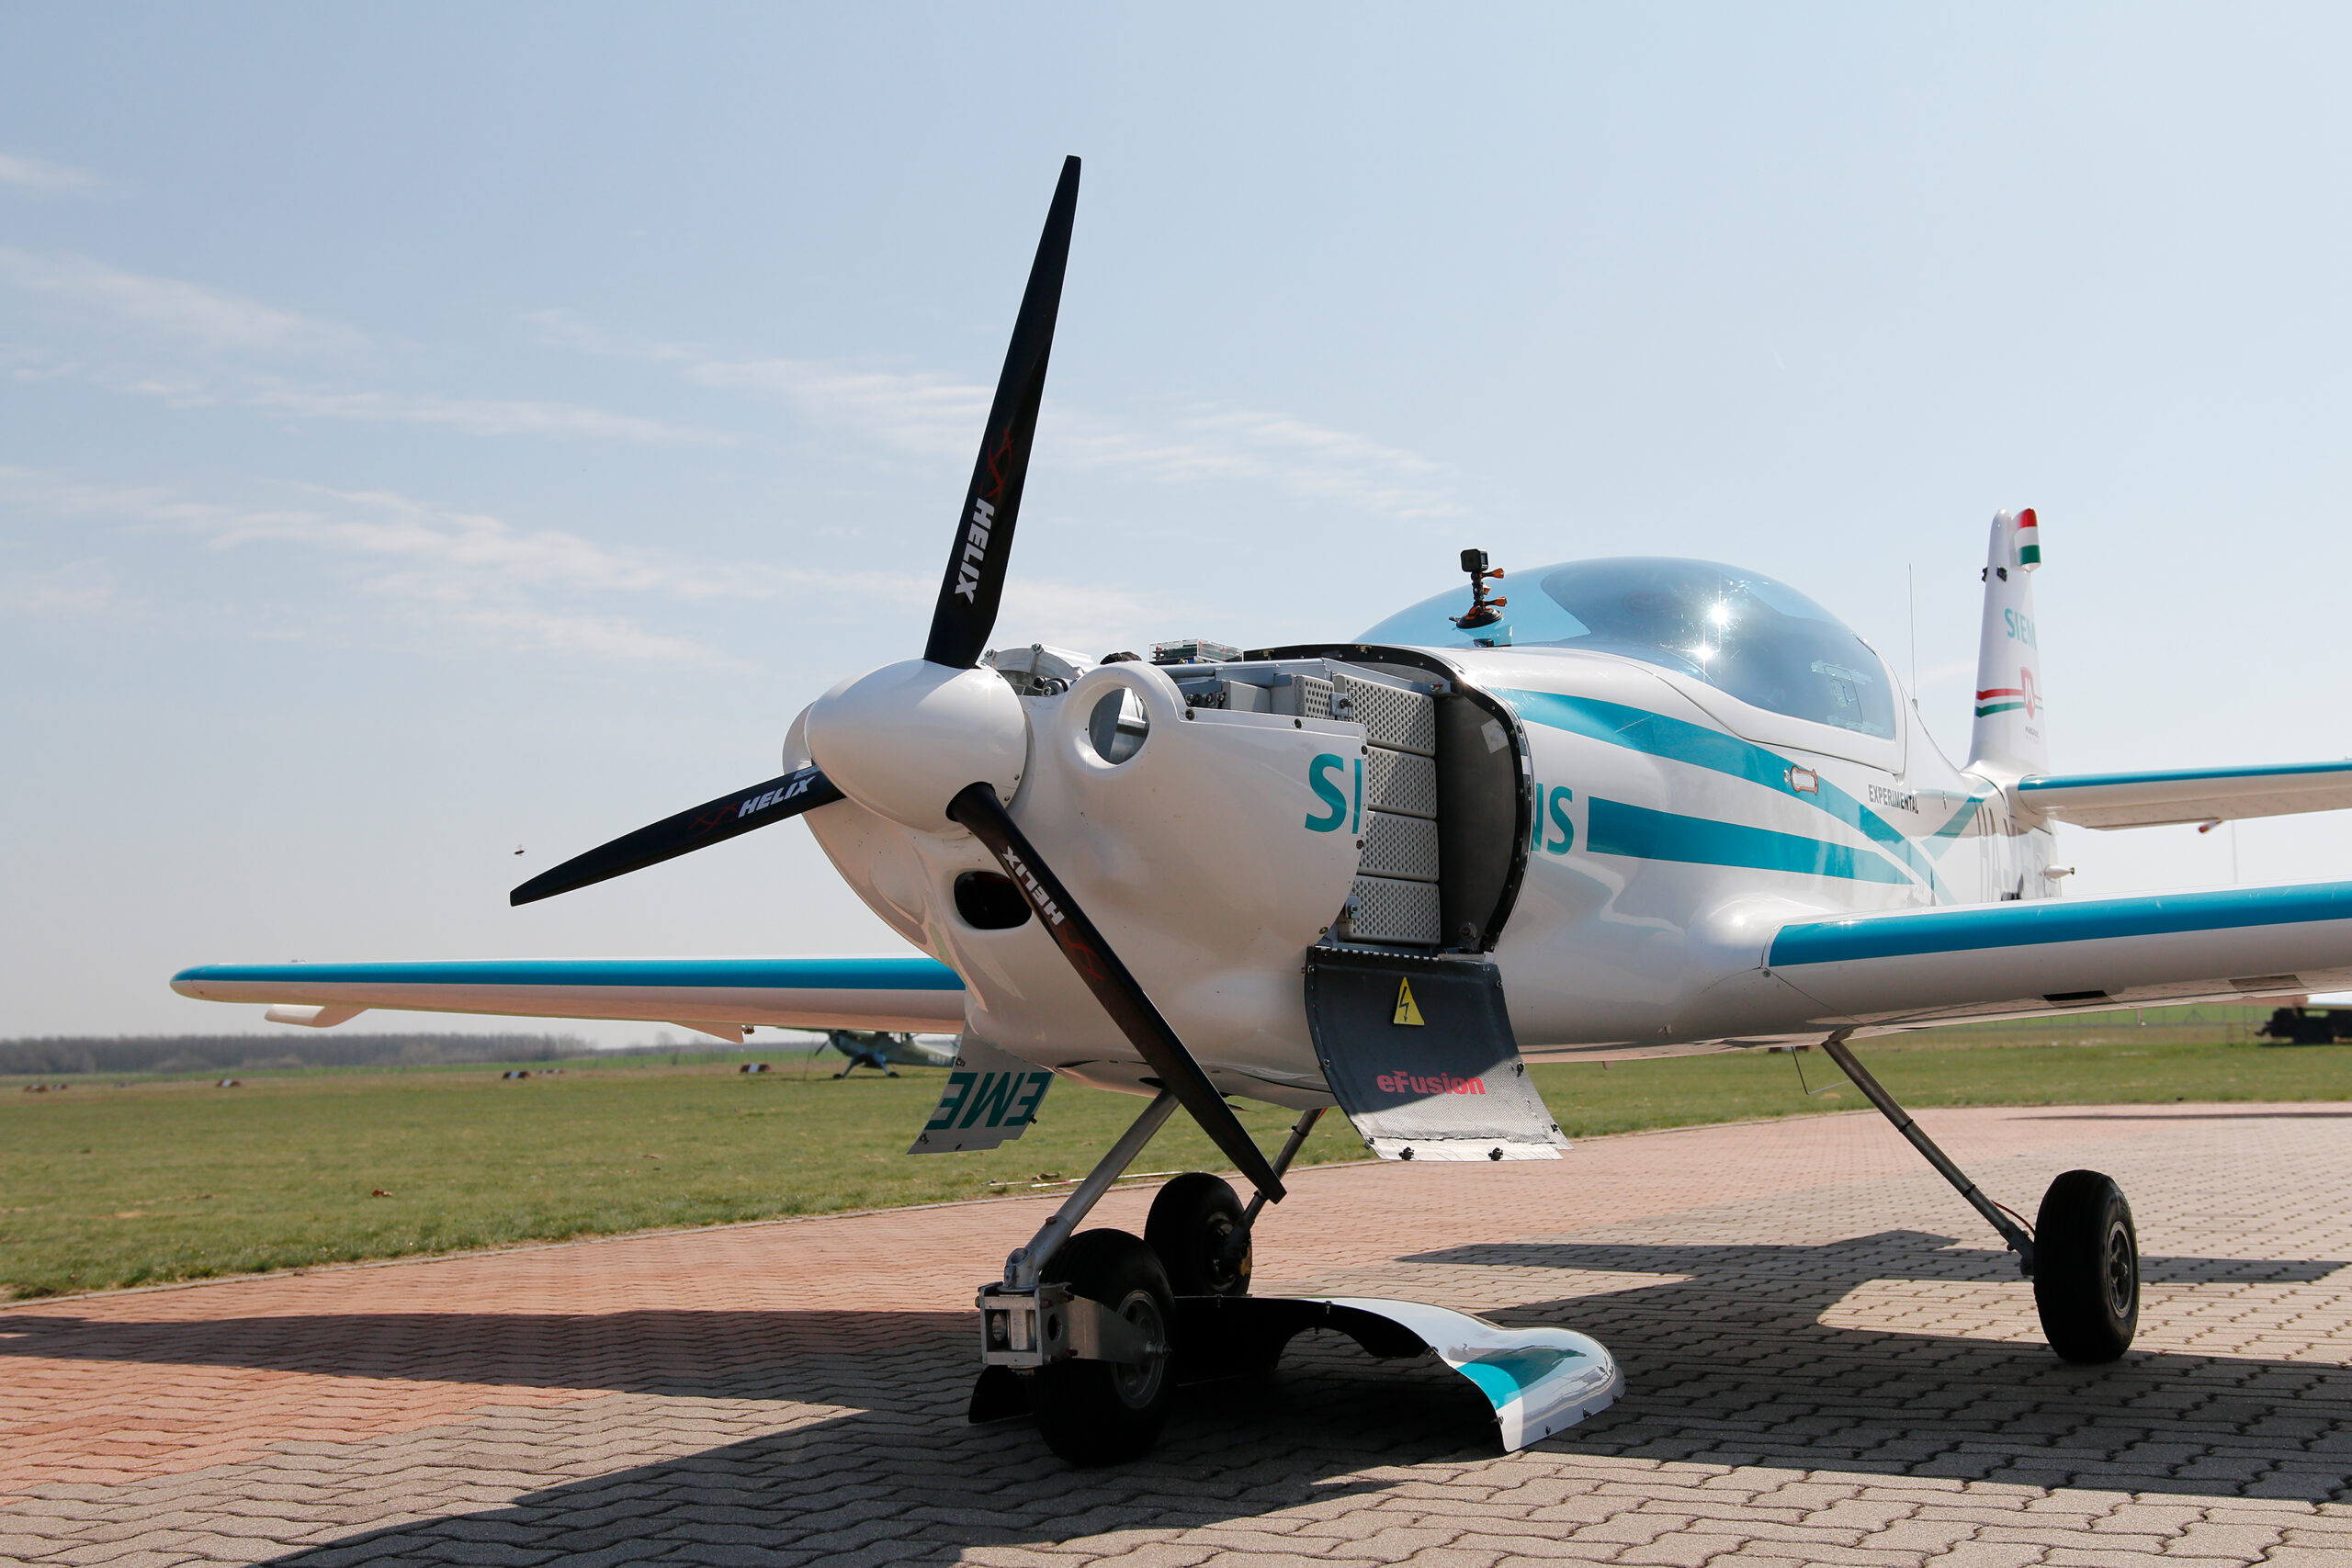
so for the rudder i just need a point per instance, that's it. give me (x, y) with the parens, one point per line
(2009, 741)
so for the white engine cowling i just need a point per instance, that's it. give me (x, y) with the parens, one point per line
(903, 739)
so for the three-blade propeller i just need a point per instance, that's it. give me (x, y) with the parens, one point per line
(715, 821)
(960, 624)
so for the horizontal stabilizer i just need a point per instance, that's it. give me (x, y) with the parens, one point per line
(911, 992)
(2203, 795)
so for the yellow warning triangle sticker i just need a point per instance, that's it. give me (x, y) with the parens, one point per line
(1406, 1012)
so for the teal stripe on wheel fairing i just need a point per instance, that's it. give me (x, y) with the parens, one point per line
(1614, 828)
(1639, 729)
(1913, 935)
(906, 974)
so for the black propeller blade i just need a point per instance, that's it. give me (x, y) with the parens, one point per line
(978, 808)
(965, 615)
(775, 800)
(975, 580)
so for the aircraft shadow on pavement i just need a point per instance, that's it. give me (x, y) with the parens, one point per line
(1728, 1363)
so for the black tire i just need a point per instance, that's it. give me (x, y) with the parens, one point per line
(1193, 1225)
(2087, 1267)
(1093, 1413)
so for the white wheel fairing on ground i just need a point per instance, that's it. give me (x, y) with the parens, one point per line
(1539, 1380)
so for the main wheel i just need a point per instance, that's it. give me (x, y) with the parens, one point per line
(1195, 1227)
(1102, 1412)
(2087, 1267)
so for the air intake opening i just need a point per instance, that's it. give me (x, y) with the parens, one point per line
(1117, 727)
(989, 902)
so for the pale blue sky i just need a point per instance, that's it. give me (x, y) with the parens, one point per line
(423, 433)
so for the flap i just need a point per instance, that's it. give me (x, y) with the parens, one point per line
(312, 1017)
(1419, 1052)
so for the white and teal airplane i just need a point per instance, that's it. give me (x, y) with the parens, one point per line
(1639, 807)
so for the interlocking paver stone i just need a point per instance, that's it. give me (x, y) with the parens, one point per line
(1828, 1362)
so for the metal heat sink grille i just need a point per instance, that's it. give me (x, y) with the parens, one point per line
(1391, 715)
(1400, 782)
(1390, 910)
(1398, 846)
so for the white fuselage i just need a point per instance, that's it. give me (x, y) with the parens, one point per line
(1671, 830)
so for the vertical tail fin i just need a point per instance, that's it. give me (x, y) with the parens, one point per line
(2008, 741)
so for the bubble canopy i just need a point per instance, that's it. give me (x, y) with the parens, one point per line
(1743, 633)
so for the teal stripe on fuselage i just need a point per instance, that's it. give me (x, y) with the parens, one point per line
(1913, 935)
(1677, 740)
(906, 974)
(1613, 827)
(1948, 834)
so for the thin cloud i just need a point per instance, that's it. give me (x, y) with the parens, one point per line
(482, 416)
(167, 304)
(80, 590)
(925, 415)
(928, 414)
(1309, 460)
(38, 177)
(610, 638)
(183, 388)
(1089, 619)
(430, 567)
(446, 571)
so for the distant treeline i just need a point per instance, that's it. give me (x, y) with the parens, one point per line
(286, 1048)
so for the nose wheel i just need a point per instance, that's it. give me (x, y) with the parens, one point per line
(1198, 1229)
(1102, 1412)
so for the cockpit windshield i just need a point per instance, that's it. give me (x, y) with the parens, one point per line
(1743, 633)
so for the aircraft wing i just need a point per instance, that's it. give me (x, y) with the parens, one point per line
(1914, 966)
(2206, 794)
(910, 992)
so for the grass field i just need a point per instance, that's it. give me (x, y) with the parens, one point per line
(124, 1181)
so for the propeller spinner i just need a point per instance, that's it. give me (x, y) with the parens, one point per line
(939, 743)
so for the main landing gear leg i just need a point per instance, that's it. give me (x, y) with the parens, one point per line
(2083, 1253)
(1078, 1332)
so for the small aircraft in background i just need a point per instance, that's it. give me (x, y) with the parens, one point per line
(1641, 806)
(886, 1051)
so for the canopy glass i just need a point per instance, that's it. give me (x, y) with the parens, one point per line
(1746, 634)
